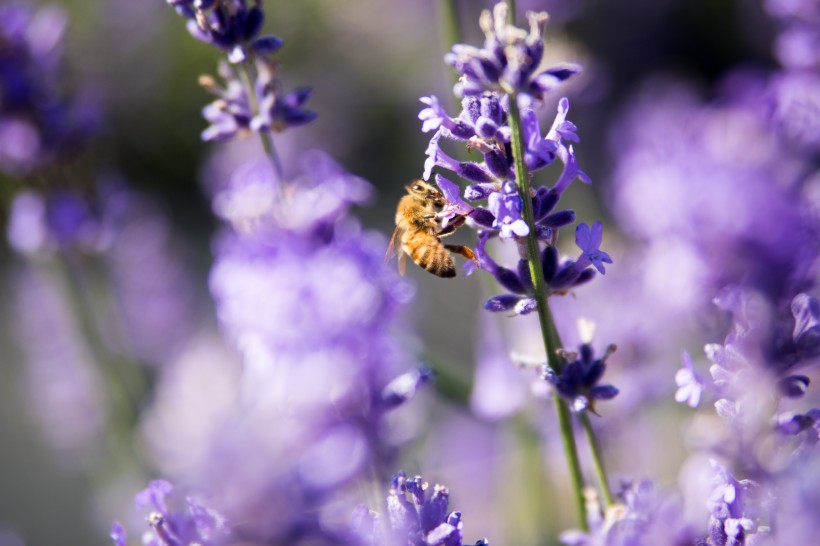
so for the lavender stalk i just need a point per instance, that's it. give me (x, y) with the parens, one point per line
(247, 73)
(501, 85)
(597, 461)
(551, 341)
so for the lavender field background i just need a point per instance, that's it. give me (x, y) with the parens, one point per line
(165, 317)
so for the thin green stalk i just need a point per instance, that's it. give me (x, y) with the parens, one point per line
(551, 341)
(511, 11)
(450, 33)
(124, 402)
(597, 460)
(594, 445)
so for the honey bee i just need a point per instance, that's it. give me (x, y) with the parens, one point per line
(419, 231)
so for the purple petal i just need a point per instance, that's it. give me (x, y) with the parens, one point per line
(118, 534)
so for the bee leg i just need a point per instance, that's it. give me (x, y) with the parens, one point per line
(454, 224)
(462, 250)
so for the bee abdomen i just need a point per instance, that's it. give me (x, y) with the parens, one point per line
(433, 257)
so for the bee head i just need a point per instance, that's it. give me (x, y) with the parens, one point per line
(427, 192)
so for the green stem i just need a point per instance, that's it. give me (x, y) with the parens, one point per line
(597, 460)
(594, 445)
(450, 33)
(511, 11)
(123, 401)
(548, 333)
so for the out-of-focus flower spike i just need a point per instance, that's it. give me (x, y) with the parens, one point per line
(118, 534)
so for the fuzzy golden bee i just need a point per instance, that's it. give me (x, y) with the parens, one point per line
(419, 231)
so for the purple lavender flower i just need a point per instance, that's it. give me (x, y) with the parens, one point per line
(231, 115)
(60, 221)
(589, 242)
(231, 25)
(195, 524)
(672, 202)
(39, 121)
(791, 424)
(729, 523)
(321, 374)
(64, 386)
(483, 125)
(559, 275)
(806, 334)
(645, 516)
(505, 206)
(796, 112)
(126, 234)
(509, 59)
(455, 206)
(577, 382)
(690, 383)
(146, 272)
(415, 518)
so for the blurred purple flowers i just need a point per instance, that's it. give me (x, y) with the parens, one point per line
(251, 98)
(233, 113)
(39, 121)
(196, 524)
(304, 294)
(275, 424)
(415, 517)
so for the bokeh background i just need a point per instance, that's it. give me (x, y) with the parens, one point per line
(679, 67)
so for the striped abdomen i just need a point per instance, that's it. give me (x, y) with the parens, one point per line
(427, 251)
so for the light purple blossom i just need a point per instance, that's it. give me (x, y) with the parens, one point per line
(415, 516)
(689, 381)
(509, 59)
(506, 207)
(40, 122)
(455, 206)
(589, 241)
(196, 523)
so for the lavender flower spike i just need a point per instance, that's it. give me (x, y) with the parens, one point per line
(416, 517)
(508, 60)
(231, 26)
(194, 524)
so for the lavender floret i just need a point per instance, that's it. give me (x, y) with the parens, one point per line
(578, 380)
(509, 59)
(416, 517)
(233, 26)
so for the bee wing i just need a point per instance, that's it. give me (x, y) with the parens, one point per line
(402, 263)
(393, 248)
